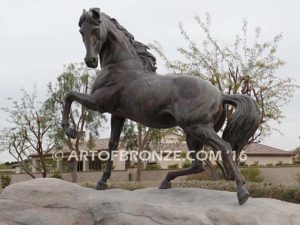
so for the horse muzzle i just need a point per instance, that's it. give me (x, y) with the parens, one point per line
(91, 62)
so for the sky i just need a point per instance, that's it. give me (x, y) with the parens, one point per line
(38, 37)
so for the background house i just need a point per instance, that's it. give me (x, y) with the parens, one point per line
(257, 154)
(89, 162)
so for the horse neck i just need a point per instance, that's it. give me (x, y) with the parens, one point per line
(117, 50)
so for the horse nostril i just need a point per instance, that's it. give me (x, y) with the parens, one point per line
(91, 61)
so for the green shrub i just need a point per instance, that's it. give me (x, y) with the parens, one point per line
(183, 155)
(57, 175)
(298, 177)
(130, 177)
(279, 163)
(174, 166)
(242, 163)
(252, 174)
(5, 166)
(277, 191)
(206, 175)
(291, 195)
(153, 166)
(5, 180)
(186, 164)
(269, 164)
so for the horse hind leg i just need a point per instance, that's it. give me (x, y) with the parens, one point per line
(196, 167)
(84, 99)
(208, 135)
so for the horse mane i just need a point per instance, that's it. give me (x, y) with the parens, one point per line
(148, 60)
(141, 49)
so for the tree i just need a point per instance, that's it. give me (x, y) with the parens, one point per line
(297, 155)
(239, 68)
(137, 136)
(76, 77)
(31, 132)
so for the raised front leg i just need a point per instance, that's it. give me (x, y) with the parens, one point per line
(196, 167)
(116, 129)
(84, 99)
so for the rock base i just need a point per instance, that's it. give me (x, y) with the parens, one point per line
(52, 201)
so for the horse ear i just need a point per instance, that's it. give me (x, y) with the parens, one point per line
(84, 11)
(95, 13)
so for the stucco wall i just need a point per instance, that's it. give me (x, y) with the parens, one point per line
(264, 160)
(280, 174)
(272, 174)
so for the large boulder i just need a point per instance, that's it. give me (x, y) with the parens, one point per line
(53, 201)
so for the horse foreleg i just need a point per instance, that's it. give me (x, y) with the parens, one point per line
(84, 99)
(196, 167)
(116, 129)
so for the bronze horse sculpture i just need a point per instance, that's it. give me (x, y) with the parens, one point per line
(129, 87)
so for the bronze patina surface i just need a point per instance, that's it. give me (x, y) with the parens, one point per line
(129, 87)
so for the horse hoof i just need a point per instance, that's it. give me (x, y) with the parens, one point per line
(242, 195)
(101, 186)
(72, 133)
(165, 185)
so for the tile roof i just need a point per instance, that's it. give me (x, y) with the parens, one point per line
(252, 149)
(101, 144)
(171, 146)
(264, 150)
(297, 150)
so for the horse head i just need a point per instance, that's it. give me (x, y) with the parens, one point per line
(94, 34)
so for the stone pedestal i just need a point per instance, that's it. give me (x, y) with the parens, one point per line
(52, 201)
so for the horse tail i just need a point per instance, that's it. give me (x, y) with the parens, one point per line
(244, 121)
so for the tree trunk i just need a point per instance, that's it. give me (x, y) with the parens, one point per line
(140, 148)
(75, 162)
(139, 170)
(44, 171)
(74, 171)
